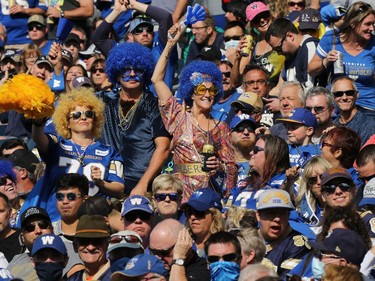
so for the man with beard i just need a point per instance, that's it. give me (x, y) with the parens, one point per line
(243, 139)
(320, 102)
(221, 108)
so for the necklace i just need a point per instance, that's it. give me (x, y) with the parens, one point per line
(81, 156)
(125, 121)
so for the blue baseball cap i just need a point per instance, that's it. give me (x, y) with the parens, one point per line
(139, 21)
(136, 203)
(48, 241)
(331, 13)
(238, 119)
(301, 116)
(203, 199)
(139, 266)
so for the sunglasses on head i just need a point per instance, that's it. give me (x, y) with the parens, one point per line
(317, 109)
(161, 253)
(226, 74)
(115, 239)
(162, 196)
(257, 149)
(132, 216)
(4, 180)
(227, 257)
(139, 30)
(299, 4)
(202, 89)
(77, 114)
(37, 26)
(349, 93)
(197, 214)
(228, 38)
(71, 196)
(128, 70)
(314, 179)
(330, 189)
(42, 224)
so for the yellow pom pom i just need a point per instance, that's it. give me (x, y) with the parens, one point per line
(28, 95)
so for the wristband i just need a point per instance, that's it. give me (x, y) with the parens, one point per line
(62, 14)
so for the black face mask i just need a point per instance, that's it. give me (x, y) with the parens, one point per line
(49, 271)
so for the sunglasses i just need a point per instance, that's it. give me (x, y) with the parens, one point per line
(132, 216)
(317, 109)
(279, 48)
(202, 89)
(257, 19)
(227, 257)
(30, 227)
(161, 253)
(101, 70)
(115, 239)
(228, 38)
(330, 189)
(324, 143)
(4, 180)
(257, 149)
(252, 82)
(313, 180)
(71, 196)
(162, 196)
(37, 26)
(299, 4)
(226, 74)
(197, 214)
(349, 93)
(139, 30)
(77, 114)
(91, 241)
(243, 110)
(128, 70)
(242, 128)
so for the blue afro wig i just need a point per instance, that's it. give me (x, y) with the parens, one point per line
(186, 88)
(130, 54)
(6, 170)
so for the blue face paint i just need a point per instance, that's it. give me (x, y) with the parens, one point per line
(137, 74)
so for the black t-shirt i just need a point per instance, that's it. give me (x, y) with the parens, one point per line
(11, 246)
(197, 269)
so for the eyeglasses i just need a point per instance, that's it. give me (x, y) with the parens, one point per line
(30, 227)
(162, 196)
(128, 70)
(199, 28)
(71, 196)
(317, 109)
(299, 4)
(279, 48)
(257, 19)
(37, 26)
(202, 89)
(161, 253)
(366, 179)
(324, 143)
(242, 128)
(227, 257)
(349, 93)
(139, 30)
(115, 239)
(132, 216)
(257, 149)
(77, 114)
(101, 70)
(332, 187)
(226, 74)
(4, 180)
(313, 180)
(197, 214)
(228, 38)
(252, 82)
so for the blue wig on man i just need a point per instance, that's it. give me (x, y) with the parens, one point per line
(127, 55)
(6, 170)
(207, 69)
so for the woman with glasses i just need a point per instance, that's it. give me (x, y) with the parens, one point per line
(197, 137)
(355, 41)
(29, 55)
(99, 77)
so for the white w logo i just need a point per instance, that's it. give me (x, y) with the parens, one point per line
(136, 201)
(48, 240)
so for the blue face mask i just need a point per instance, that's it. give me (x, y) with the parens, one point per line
(118, 264)
(49, 271)
(224, 271)
(317, 267)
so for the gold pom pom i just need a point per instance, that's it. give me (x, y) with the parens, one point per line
(28, 95)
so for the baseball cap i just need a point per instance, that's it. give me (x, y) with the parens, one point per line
(203, 199)
(34, 212)
(335, 173)
(368, 194)
(139, 266)
(301, 116)
(48, 241)
(81, 81)
(344, 243)
(90, 51)
(309, 19)
(25, 159)
(136, 203)
(43, 59)
(93, 226)
(6, 169)
(10, 54)
(238, 119)
(124, 243)
(249, 100)
(138, 21)
(72, 37)
(255, 9)
(65, 54)
(331, 13)
(38, 19)
(274, 198)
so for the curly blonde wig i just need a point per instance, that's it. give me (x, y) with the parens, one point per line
(68, 102)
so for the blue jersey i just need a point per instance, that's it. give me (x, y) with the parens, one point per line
(298, 155)
(220, 110)
(63, 157)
